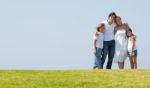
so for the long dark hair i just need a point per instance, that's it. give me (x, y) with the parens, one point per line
(128, 31)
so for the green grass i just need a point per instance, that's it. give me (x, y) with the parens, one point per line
(75, 79)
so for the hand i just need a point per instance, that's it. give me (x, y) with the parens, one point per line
(126, 25)
(94, 51)
(134, 38)
(132, 53)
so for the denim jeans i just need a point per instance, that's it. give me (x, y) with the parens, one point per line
(98, 55)
(108, 48)
(135, 53)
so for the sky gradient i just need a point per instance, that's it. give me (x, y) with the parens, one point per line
(57, 34)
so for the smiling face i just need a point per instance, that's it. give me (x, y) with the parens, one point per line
(111, 18)
(118, 21)
(102, 29)
(129, 33)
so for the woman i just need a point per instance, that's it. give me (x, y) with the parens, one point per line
(121, 42)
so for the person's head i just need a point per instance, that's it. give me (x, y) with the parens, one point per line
(111, 17)
(118, 20)
(129, 32)
(100, 27)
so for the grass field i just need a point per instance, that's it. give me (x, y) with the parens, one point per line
(75, 79)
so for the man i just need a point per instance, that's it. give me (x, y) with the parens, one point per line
(109, 42)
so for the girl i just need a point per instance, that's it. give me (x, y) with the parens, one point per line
(132, 50)
(98, 45)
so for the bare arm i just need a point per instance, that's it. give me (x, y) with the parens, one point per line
(94, 46)
(94, 43)
(133, 40)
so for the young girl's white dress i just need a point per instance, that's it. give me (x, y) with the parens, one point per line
(120, 46)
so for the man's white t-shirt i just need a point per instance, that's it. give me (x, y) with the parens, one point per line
(109, 31)
(99, 39)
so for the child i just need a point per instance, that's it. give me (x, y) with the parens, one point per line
(132, 50)
(98, 45)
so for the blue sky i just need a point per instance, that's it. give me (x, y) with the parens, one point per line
(57, 34)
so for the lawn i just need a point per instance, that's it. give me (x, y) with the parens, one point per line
(74, 78)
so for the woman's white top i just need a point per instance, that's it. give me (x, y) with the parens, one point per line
(120, 46)
(99, 37)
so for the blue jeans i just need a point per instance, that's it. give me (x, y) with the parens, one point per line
(108, 48)
(98, 55)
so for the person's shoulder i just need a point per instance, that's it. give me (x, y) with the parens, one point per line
(95, 35)
(125, 26)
